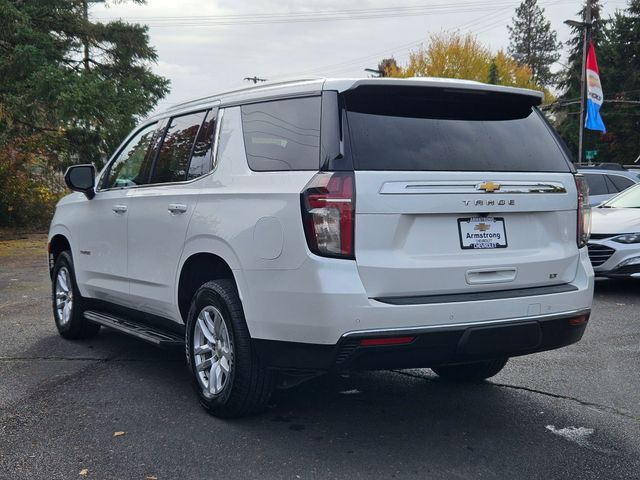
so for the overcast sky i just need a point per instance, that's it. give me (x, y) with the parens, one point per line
(207, 46)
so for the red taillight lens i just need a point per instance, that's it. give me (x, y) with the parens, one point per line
(376, 342)
(581, 320)
(584, 211)
(328, 209)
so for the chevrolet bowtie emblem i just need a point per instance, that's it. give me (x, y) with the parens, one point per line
(482, 227)
(488, 187)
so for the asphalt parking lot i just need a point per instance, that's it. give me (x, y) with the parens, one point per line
(573, 413)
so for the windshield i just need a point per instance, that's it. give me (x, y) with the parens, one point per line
(427, 129)
(630, 198)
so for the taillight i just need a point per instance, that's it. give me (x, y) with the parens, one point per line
(328, 210)
(584, 211)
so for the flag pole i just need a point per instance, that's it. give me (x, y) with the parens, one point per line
(583, 81)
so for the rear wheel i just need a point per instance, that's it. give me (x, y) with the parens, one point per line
(68, 311)
(227, 374)
(470, 372)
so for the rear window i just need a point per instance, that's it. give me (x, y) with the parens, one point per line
(597, 184)
(282, 134)
(417, 128)
(621, 183)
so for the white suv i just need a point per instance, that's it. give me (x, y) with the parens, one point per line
(291, 229)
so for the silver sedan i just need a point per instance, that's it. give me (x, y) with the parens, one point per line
(614, 247)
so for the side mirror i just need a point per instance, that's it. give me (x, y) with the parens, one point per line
(81, 178)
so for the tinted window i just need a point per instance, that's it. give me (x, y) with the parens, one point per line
(597, 185)
(173, 158)
(429, 129)
(132, 165)
(283, 134)
(621, 183)
(201, 159)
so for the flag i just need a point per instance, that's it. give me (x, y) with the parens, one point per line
(595, 96)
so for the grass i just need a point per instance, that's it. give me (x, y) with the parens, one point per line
(22, 244)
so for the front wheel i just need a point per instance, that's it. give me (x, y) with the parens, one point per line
(227, 374)
(68, 311)
(470, 372)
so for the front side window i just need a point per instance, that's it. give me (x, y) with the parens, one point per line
(282, 134)
(132, 165)
(173, 158)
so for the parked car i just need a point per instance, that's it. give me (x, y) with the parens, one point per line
(614, 247)
(605, 183)
(285, 230)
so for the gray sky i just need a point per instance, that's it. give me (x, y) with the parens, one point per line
(207, 46)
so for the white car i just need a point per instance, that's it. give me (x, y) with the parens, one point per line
(285, 230)
(614, 247)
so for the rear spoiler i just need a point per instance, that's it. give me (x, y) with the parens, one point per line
(447, 84)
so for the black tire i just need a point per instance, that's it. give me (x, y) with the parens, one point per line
(76, 326)
(247, 388)
(470, 372)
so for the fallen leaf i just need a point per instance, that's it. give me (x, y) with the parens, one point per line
(84, 472)
(151, 477)
(118, 434)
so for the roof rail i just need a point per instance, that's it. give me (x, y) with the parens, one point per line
(279, 83)
(601, 166)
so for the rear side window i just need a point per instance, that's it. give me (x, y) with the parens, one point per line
(597, 184)
(418, 128)
(282, 134)
(201, 159)
(621, 183)
(173, 158)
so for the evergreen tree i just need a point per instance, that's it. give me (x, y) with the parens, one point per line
(533, 42)
(619, 58)
(567, 117)
(84, 83)
(494, 76)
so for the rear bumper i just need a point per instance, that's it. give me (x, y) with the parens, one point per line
(429, 346)
(324, 300)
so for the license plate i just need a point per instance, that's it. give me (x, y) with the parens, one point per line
(482, 232)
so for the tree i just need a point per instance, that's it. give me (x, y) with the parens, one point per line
(570, 79)
(62, 72)
(615, 42)
(387, 67)
(532, 42)
(494, 75)
(619, 57)
(451, 55)
(70, 91)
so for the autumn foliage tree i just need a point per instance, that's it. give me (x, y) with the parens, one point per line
(453, 55)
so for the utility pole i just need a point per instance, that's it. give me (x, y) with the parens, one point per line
(586, 26)
(255, 79)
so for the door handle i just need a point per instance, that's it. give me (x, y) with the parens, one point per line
(119, 209)
(491, 275)
(176, 208)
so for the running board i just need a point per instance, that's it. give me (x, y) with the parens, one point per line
(148, 333)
